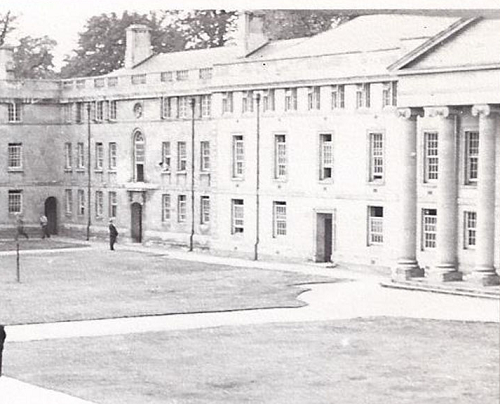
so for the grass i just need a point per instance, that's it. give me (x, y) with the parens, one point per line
(91, 284)
(377, 360)
(37, 244)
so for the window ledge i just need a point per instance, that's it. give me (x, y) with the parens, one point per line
(280, 180)
(207, 173)
(15, 170)
(181, 172)
(376, 183)
(166, 173)
(237, 179)
(98, 170)
(111, 171)
(80, 170)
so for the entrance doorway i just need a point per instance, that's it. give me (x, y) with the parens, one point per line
(324, 237)
(51, 213)
(136, 222)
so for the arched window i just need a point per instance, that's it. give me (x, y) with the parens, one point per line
(139, 156)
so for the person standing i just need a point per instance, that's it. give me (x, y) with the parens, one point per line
(2, 340)
(113, 234)
(20, 227)
(44, 225)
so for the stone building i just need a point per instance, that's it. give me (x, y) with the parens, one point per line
(376, 142)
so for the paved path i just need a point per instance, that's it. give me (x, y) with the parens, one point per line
(362, 297)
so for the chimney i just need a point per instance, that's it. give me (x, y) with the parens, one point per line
(138, 45)
(6, 62)
(251, 31)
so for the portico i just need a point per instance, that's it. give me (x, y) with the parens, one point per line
(446, 265)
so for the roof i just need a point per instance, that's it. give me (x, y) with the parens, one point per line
(389, 35)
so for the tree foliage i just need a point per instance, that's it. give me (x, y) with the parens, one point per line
(101, 47)
(6, 25)
(33, 58)
(287, 24)
(208, 28)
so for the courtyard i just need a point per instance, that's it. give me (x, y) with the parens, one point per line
(154, 326)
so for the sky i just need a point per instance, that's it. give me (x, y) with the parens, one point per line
(63, 19)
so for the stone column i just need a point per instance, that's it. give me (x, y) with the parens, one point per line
(445, 268)
(484, 270)
(407, 265)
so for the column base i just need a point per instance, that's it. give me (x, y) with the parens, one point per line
(444, 274)
(406, 270)
(484, 278)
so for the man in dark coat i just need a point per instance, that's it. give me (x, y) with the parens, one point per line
(2, 340)
(113, 234)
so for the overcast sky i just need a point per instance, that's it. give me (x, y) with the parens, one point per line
(63, 19)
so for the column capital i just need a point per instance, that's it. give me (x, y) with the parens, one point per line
(410, 113)
(484, 110)
(444, 112)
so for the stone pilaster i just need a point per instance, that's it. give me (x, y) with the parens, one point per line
(484, 270)
(445, 268)
(407, 265)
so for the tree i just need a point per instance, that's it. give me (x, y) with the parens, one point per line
(6, 26)
(287, 24)
(101, 47)
(208, 28)
(33, 58)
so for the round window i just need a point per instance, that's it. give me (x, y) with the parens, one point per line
(138, 110)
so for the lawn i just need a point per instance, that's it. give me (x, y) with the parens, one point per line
(361, 361)
(37, 244)
(92, 284)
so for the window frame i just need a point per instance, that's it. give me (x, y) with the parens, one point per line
(204, 209)
(99, 156)
(68, 202)
(14, 112)
(238, 157)
(15, 201)
(337, 96)
(237, 216)
(112, 204)
(166, 208)
(166, 156)
(181, 208)
(205, 156)
(470, 231)
(431, 161)
(182, 157)
(15, 156)
(375, 225)
(280, 160)
(471, 161)
(280, 228)
(363, 95)
(429, 237)
(99, 204)
(291, 99)
(112, 156)
(314, 98)
(376, 157)
(68, 156)
(325, 165)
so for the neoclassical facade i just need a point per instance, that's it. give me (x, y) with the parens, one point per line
(374, 143)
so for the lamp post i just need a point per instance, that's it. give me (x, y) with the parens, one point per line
(191, 238)
(257, 182)
(89, 171)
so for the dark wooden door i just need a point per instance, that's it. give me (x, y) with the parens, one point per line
(51, 213)
(328, 238)
(136, 222)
